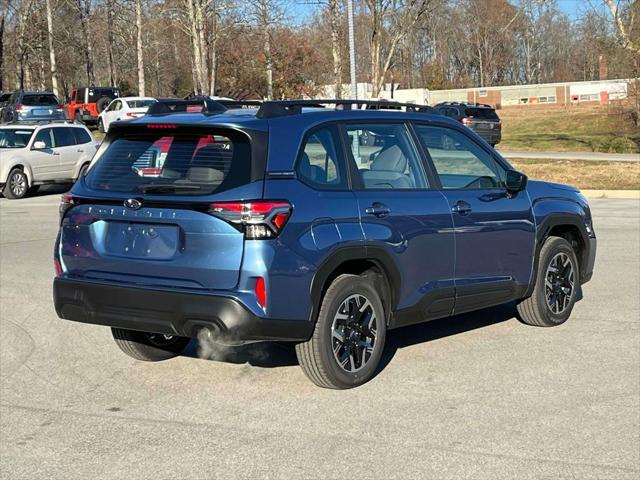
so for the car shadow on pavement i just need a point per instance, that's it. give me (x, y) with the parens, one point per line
(272, 354)
(45, 190)
(442, 328)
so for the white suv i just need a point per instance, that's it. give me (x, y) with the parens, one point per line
(34, 155)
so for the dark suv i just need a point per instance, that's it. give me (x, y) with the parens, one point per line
(479, 117)
(24, 106)
(320, 226)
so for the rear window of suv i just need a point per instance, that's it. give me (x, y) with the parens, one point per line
(482, 113)
(39, 100)
(180, 164)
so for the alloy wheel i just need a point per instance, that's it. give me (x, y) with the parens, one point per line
(353, 333)
(18, 184)
(559, 283)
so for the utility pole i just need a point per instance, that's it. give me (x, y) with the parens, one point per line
(352, 50)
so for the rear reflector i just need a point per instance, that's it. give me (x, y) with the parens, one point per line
(261, 292)
(57, 266)
(260, 219)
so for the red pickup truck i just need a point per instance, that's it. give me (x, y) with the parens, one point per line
(85, 103)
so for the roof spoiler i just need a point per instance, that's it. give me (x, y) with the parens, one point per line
(206, 105)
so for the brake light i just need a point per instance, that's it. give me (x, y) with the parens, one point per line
(129, 114)
(18, 107)
(161, 126)
(67, 201)
(261, 292)
(467, 121)
(259, 219)
(60, 107)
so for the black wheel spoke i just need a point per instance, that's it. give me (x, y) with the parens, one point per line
(353, 333)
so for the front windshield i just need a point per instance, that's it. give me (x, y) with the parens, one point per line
(140, 103)
(14, 137)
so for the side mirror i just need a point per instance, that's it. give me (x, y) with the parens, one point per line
(39, 145)
(515, 181)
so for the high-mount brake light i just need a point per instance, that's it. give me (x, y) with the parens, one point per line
(161, 126)
(262, 219)
(66, 202)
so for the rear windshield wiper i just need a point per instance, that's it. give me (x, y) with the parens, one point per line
(168, 188)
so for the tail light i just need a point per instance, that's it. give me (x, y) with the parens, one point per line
(67, 201)
(60, 107)
(131, 115)
(467, 121)
(259, 219)
(18, 107)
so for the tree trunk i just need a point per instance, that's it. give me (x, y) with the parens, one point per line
(334, 12)
(266, 38)
(141, 89)
(84, 11)
(200, 5)
(52, 52)
(2, 50)
(113, 74)
(198, 88)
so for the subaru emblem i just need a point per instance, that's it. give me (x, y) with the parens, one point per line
(132, 203)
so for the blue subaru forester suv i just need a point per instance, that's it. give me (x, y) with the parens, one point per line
(323, 223)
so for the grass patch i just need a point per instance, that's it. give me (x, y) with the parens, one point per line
(584, 174)
(580, 130)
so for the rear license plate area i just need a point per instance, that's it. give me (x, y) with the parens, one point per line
(141, 240)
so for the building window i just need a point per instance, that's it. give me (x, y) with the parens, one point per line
(483, 93)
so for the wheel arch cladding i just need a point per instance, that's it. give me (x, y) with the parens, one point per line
(568, 226)
(351, 261)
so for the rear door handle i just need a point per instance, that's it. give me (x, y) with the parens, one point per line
(378, 209)
(461, 207)
(55, 153)
(80, 150)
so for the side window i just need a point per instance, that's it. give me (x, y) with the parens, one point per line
(320, 163)
(45, 135)
(385, 157)
(82, 136)
(459, 161)
(118, 105)
(64, 136)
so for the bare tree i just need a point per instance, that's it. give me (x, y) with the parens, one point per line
(139, 55)
(625, 26)
(84, 12)
(336, 16)
(52, 51)
(390, 22)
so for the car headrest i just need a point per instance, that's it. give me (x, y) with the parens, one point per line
(390, 159)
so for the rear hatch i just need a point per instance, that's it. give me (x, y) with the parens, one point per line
(484, 119)
(144, 216)
(39, 106)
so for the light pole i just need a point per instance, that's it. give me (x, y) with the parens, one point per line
(352, 51)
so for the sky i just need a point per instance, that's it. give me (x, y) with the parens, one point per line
(573, 8)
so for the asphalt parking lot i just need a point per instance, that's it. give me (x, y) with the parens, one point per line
(475, 396)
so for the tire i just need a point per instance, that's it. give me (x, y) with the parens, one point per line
(83, 171)
(101, 126)
(148, 347)
(551, 303)
(17, 185)
(102, 104)
(316, 356)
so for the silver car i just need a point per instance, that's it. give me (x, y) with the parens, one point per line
(32, 106)
(34, 155)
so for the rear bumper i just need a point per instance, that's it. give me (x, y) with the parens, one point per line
(169, 312)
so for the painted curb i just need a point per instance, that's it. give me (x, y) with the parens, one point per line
(626, 194)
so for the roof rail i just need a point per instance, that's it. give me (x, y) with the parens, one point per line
(44, 121)
(165, 106)
(282, 108)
